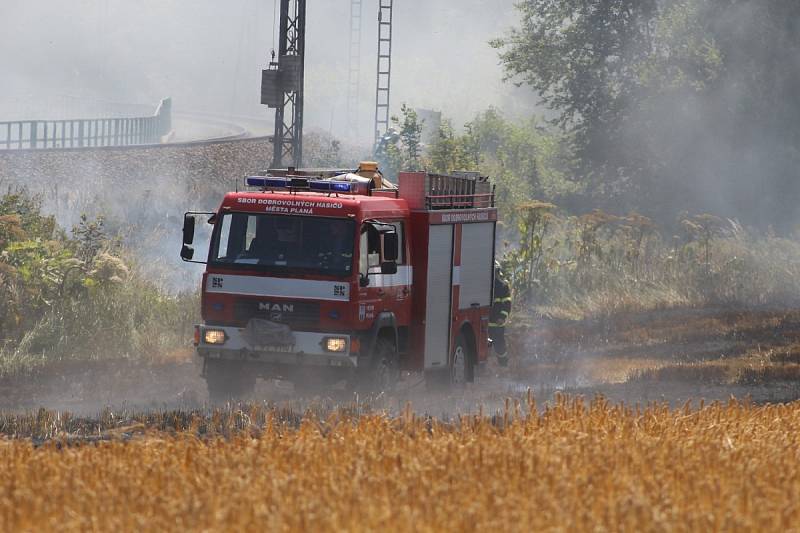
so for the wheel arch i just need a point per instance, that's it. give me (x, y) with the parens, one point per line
(385, 325)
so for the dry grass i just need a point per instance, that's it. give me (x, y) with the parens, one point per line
(696, 373)
(571, 466)
(707, 346)
(768, 375)
(600, 265)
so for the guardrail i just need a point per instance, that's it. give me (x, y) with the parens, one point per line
(80, 133)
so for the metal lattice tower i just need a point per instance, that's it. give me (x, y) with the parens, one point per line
(354, 76)
(382, 91)
(282, 85)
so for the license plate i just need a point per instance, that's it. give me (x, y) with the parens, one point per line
(289, 348)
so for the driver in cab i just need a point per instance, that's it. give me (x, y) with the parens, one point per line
(275, 240)
(335, 251)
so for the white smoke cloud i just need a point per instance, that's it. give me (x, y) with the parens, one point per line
(208, 56)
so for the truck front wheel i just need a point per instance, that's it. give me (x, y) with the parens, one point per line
(228, 380)
(382, 371)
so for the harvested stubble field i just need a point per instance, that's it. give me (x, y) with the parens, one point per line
(568, 466)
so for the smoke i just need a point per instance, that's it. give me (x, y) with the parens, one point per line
(98, 58)
(722, 136)
(208, 56)
(441, 61)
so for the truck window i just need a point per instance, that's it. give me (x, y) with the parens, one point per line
(224, 234)
(285, 243)
(371, 248)
(401, 256)
(251, 232)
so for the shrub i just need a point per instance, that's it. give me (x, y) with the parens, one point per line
(77, 297)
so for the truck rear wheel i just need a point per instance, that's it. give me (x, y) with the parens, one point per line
(228, 380)
(461, 365)
(460, 370)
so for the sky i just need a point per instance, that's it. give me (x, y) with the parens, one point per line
(61, 58)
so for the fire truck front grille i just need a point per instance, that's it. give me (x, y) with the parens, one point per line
(294, 314)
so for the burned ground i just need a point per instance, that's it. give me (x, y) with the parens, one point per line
(670, 355)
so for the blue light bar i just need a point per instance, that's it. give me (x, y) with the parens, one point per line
(331, 186)
(342, 186)
(267, 182)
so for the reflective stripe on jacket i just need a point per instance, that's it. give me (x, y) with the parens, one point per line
(501, 306)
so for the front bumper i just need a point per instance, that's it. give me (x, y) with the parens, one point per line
(308, 349)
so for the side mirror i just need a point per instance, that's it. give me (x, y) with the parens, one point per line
(188, 229)
(389, 268)
(187, 252)
(189, 223)
(391, 247)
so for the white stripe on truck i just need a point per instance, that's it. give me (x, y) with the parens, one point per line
(278, 287)
(401, 279)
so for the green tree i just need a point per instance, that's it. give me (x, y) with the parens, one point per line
(671, 104)
(580, 57)
(399, 148)
(451, 152)
(410, 135)
(525, 158)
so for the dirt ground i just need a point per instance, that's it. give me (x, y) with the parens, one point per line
(671, 355)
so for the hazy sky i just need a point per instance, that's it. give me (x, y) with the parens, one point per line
(208, 55)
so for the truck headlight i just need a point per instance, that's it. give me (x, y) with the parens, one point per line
(214, 336)
(335, 344)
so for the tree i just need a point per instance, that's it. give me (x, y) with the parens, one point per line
(671, 104)
(525, 158)
(580, 57)
(451, 152)
(410, 134)
(399, 148)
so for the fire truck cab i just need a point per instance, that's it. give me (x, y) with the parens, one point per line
(319, 276)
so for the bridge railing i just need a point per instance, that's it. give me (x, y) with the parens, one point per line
(82, 133)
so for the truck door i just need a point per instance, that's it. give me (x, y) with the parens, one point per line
(372, 294)
(476, 280)
(439, 297)
(397, 286)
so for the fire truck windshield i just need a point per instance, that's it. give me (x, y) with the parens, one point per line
(285, 243)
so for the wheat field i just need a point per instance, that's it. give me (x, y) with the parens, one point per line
(570, 466)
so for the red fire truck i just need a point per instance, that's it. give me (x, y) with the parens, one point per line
(319, 276)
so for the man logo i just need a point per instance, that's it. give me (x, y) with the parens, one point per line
(275, 311)
(276, 308)
(280, 308)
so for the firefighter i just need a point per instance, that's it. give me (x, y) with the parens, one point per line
(261, 245)
(501, 308)
(336, 251)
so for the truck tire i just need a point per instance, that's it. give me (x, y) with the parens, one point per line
(460, 369)
(383, 370)
(228, 380)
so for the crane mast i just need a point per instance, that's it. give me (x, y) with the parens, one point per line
(383, 86)
(354, 74)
